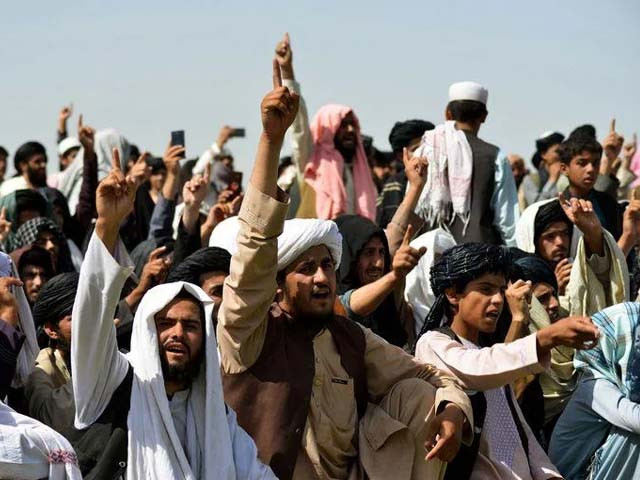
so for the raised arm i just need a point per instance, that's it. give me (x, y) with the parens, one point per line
(301, 142)
(251, 286)
(97, 365)
(86, 208)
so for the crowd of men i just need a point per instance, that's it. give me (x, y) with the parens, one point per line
(435, 312)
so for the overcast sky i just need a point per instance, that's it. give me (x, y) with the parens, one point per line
(149, 67)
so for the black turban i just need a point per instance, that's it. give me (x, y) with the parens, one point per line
(30, 200)
(457, 267)
(535, 270)
(549, 213)
(403, 132)
(208, 259)
(55, 300)
(588, 131)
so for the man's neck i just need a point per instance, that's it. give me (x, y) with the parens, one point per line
(468, 127)
(173, 387)
(578, 192)
(464, 330)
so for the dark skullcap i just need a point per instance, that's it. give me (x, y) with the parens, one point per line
(28, 199)
(457, 267)
(535, 270)
(55, 300)
(403, 132)
(205, 260)
(547, 214)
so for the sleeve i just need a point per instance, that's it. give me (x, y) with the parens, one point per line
(186, 243)
(47, 404)
(245, 453)
(504, 201)
(484, 368)
(608, 184)
(601, 266)
(11, 341)
(97, 365)
(250, 288)
(387, 364)
(609, 402)
(160, 224)
(301, 141)
(86, 208)
(207, 157)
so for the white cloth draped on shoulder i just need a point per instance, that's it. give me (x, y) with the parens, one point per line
(29, 350)
(447, 193)
(31, 450)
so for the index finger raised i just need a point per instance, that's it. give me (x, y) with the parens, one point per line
(155, 254)
(115, 159)
(277, 75)
(408, 234)
(612, 126)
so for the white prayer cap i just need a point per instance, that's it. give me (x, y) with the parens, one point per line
(468, 91)
(67, 144)
(225, 235)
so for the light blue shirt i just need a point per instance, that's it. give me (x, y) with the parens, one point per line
(504, 201)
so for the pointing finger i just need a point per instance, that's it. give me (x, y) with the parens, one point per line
(286, 38)
(115, 159)
(155, 254)
(407, 235)
(79, 122)
(277, 75)
(207, 172)
(612, 127)
(3, 213)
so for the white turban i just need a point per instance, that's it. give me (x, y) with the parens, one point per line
(298, 235)
(417, 291)
(301, 234)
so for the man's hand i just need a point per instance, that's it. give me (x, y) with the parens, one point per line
(612, 143)
(155, 270)
(140, 171)
(8, 303)
(407, 257)
(583, 216)
(518, 296)
(278, 109)
(114, 200)
(195, 190)
(63, 116)
(416, 169)
(5, 225)
(563, 274)
(630, 226)
(284, 57)
(575, 332)
(171, 158)
(86, 136)
(224, 136)
(444, 434)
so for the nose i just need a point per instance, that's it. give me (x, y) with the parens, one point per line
(590, 167)
(177, 332)
(379, 261)
(351, 128)
(320, 277)
(37, 281)
(497, 299)
(49, 245)
(554, 304)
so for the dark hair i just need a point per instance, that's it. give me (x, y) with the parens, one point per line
(574, 146)
(157, 165)
(184, 294)
(26, 151)
(467, 110)
(3, 152)
(403, 133)
(586, 130)
(382, 159)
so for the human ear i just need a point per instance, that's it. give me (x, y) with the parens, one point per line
(452, 296)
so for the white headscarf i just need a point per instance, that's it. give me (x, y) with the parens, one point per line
(417, 290)
(30, 449)
(29, 351)
(447, 193)
(526, 227)
(70, 180)
(298, 235)
(154, 448)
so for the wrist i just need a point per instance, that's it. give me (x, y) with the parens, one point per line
(272, 141)
(545, 338)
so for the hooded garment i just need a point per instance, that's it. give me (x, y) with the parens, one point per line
(29, 351)
(386, 320)
(417, 291)
(30, 449)
(105, 141)
(325, 168)
(447, 193)
(298, 235)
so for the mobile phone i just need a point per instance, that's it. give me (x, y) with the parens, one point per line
(177, 138)
(238, 132)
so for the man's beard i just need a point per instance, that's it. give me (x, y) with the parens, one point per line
(36, 178)
(184, 373)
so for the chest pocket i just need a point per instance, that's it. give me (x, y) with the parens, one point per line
(338, 415)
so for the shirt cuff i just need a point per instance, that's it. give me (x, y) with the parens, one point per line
(529, 355)
(292, 85)
(264, 213)
(600, 264)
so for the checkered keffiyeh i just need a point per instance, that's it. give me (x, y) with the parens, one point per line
(29, 230)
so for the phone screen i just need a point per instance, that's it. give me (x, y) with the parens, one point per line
(177, 138)
(238, 132)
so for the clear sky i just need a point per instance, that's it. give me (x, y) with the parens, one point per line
(149, 67)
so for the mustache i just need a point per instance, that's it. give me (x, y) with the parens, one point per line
(176, 343)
